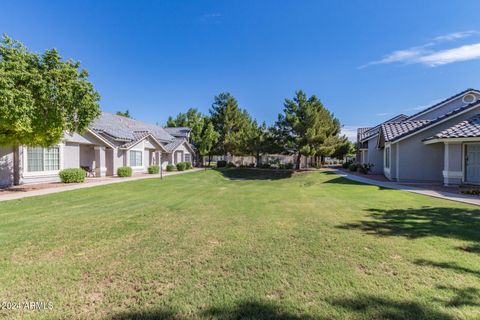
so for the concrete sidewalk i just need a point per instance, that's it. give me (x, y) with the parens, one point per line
(67, 187)
(426, 192)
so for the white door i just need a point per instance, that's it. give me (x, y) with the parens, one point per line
(472, 161)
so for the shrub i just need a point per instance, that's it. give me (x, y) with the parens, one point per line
(181, 166)
(265, 165)
(221, 164)
(124, 172)
(365, 168)
(346, 164)
(72, 175)
(353, 167)
(153, 169)
(231, 165)
(282, 166)
(188, 165)
(289, 166)
(170, 167)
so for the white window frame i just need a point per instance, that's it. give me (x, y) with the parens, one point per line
(27, 173)
(388, 158)
(141, 158)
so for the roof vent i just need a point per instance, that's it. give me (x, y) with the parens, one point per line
(469, 98)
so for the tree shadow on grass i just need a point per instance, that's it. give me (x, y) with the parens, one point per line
(156, 314)
(462, 224)
(373, 307)
(243, 310)
(454, 266)
(253, 310)
(254, 174)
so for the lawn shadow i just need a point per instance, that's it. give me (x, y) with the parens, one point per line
(446, 265)
(243, 310)
(458, 223)
(254, 174)
(373, 307)
(156, 314)
(253, 310)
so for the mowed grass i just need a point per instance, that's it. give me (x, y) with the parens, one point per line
(240, 244)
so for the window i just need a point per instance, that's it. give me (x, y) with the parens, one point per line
(43, 159)
(387, 157)
(187, 157)
(135, 158)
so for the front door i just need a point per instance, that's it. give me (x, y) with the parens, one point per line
(472, 163)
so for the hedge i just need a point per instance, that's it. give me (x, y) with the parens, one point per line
(170, 167)
(188, 165)
(124, 172)
(221, 163)
(72, 175)
(153, 169)
(181, 166)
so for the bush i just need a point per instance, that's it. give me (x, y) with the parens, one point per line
(221, 164)
(188, 165)
(265, 166)
(181, 166)
(346, 164)
(170, 167)
(289, 166)
(153, 169)
(72, 175)
(353, 167)
(124, 172)
(231, 165)
(282, 166)
(365, 168)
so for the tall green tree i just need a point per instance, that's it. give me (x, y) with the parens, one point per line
(231, 123)
(42, 96)
(209, 138)
(305, 126)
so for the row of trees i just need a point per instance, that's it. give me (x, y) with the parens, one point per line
(42, 96)
(305, 127)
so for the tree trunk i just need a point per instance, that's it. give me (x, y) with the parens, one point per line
(209, 159)
(258, 160)
(299, 156)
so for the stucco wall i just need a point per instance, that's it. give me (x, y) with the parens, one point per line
(421, 162)
(87, 156)
(375, 156)
(71, 156)
(6, 166)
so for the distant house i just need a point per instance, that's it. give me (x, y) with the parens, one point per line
(438, 144)
(110, 142)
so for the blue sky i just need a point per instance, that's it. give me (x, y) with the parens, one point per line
(366, 60)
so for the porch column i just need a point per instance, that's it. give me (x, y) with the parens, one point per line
(452, 171)
(100, 168)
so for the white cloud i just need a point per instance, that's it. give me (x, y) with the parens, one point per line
(424, 54)
(454, 36)
(463, 53)
(350, 132)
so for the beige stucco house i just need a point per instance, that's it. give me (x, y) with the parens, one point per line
(438, 144)
(110, 142)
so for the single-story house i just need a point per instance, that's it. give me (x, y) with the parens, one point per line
(438, 144)
(110, 142)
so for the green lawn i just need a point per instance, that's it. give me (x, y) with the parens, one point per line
(241, 244)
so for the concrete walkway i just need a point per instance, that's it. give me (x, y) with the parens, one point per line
(426, 192)
(89, 184)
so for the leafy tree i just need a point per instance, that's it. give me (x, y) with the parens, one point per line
(306, 127)
(343, 148)
(209, 138)
(231, 123)
(260, 141)
(42, 96)
(170, 122)
(125, 114)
